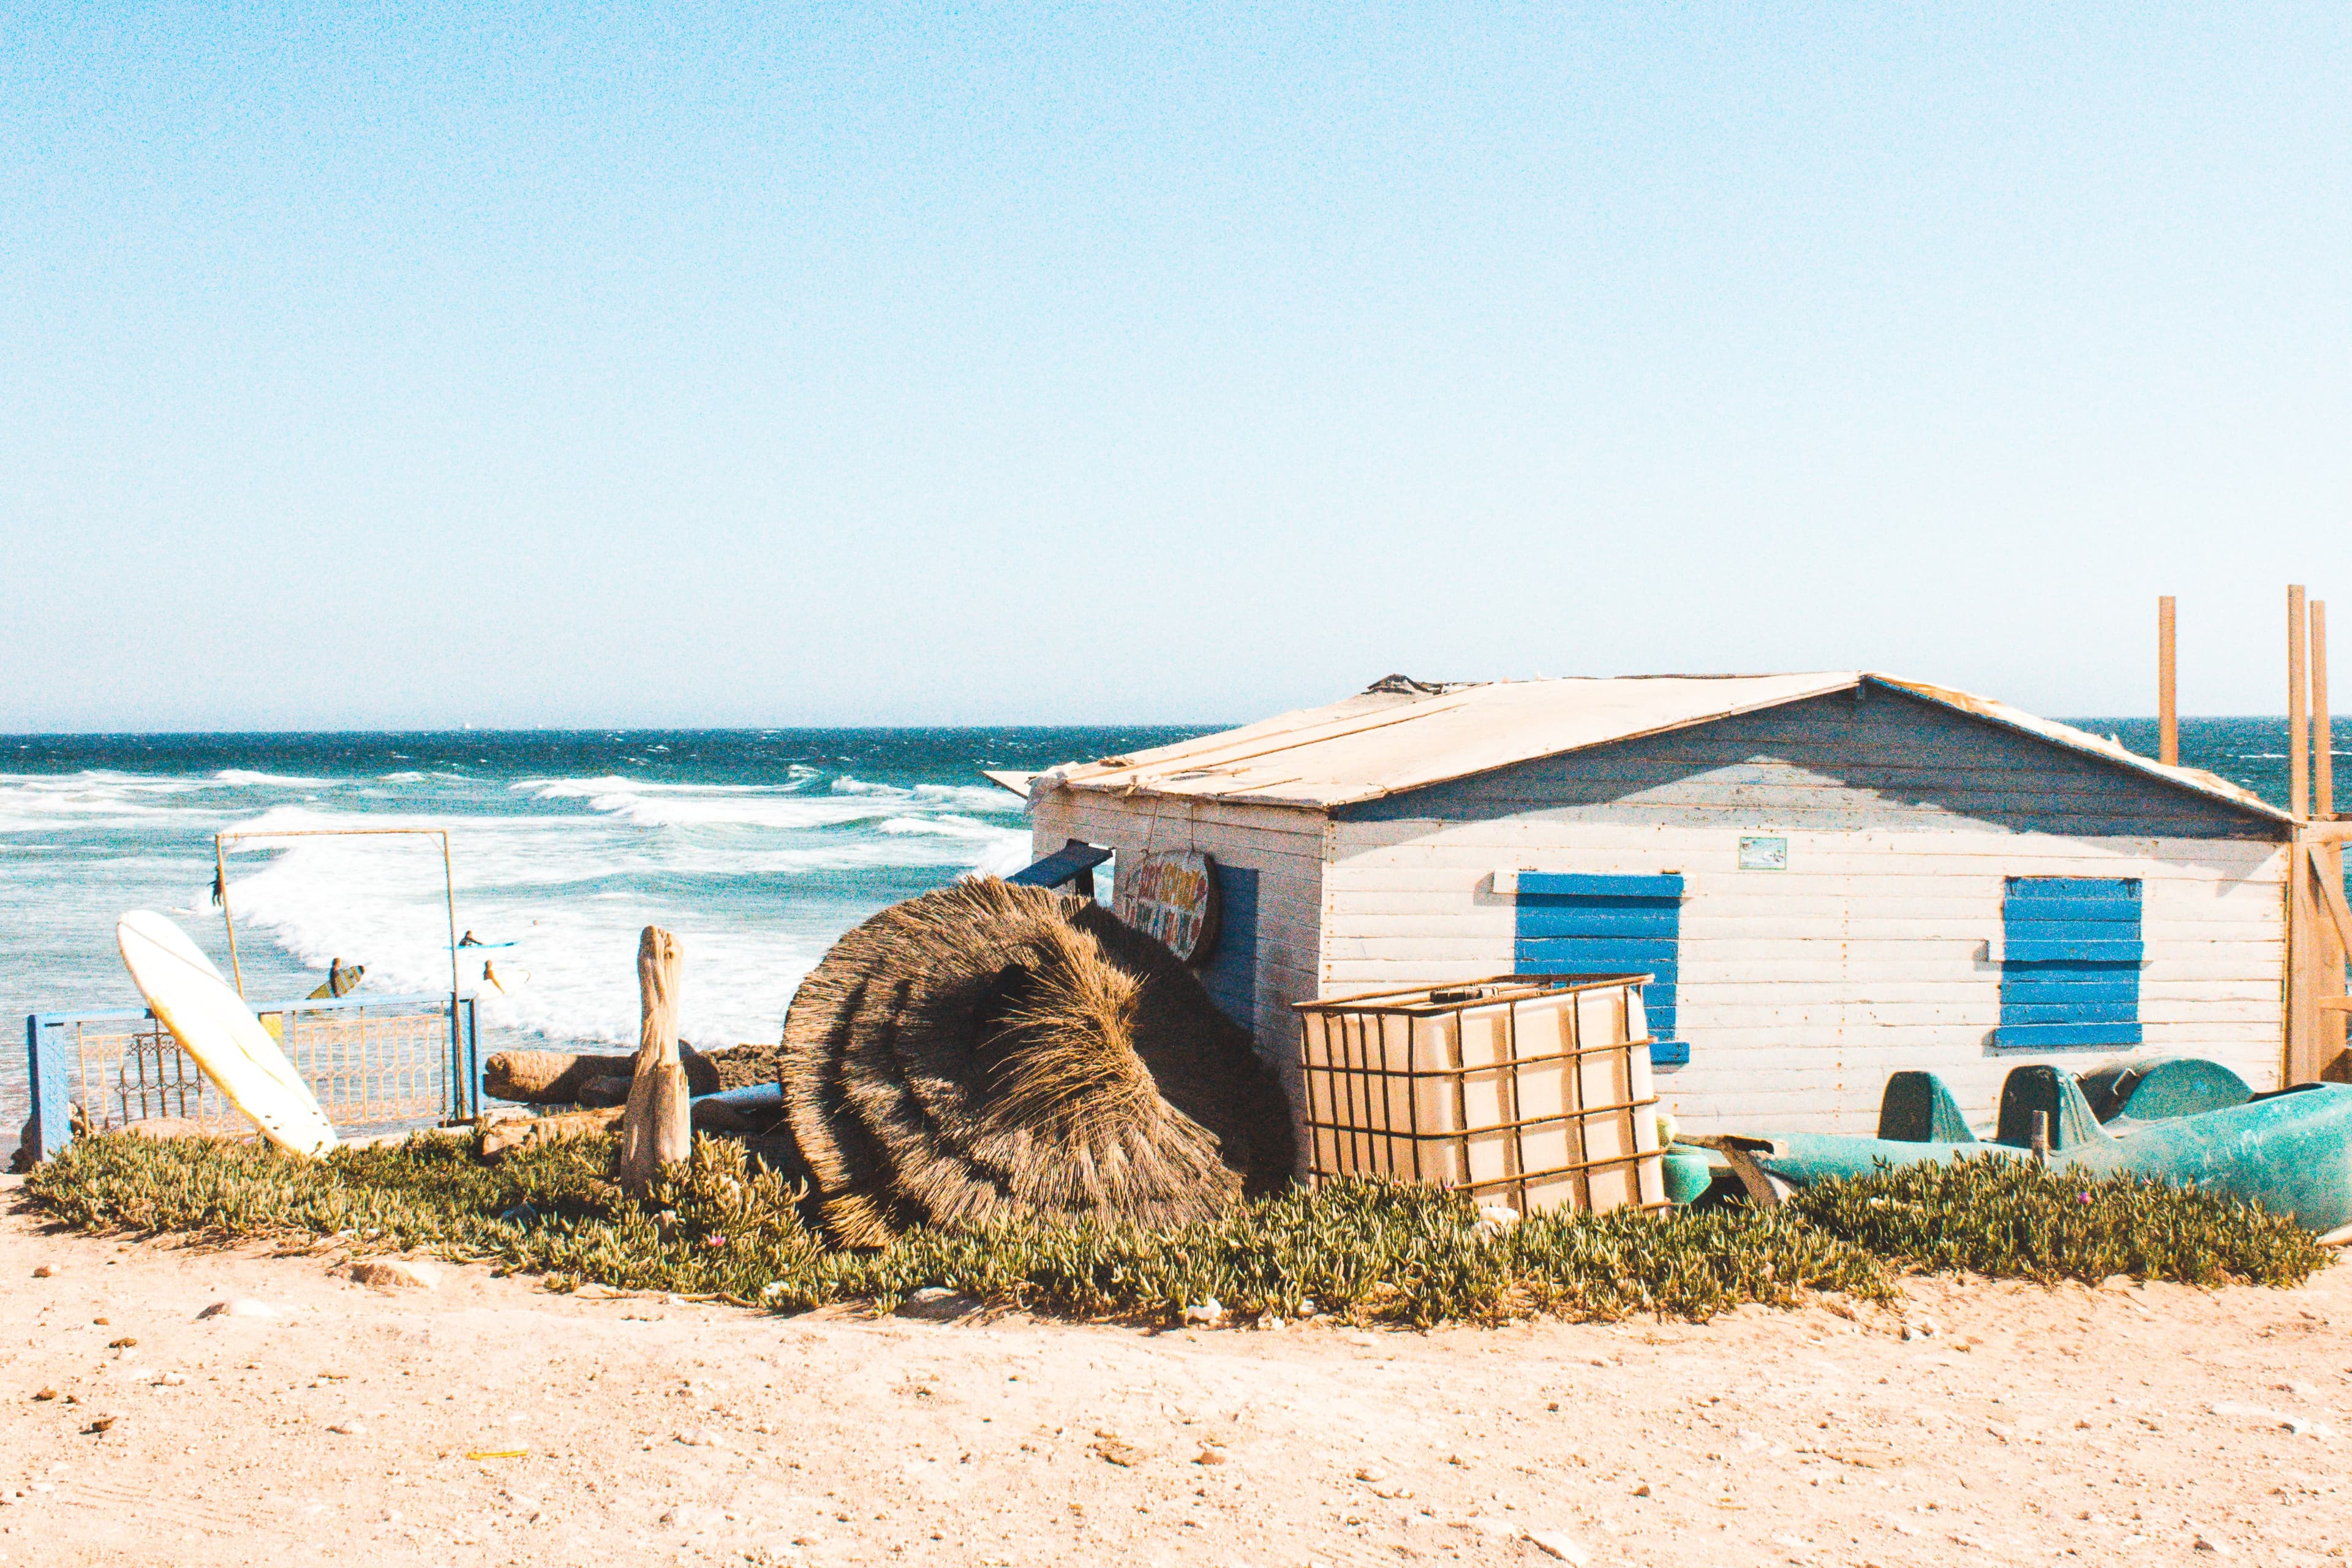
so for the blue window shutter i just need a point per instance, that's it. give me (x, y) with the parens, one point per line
(2071, 953)
(1231, 974)
(1570, 924)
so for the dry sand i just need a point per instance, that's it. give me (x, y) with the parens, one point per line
(2117, 1426)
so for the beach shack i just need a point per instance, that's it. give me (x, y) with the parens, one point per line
(1831, 875)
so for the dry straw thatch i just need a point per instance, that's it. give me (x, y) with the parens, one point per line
(989, 1049)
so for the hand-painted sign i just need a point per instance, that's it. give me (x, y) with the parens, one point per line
(1172, 897)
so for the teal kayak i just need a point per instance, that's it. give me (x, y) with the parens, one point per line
(2290, 1151)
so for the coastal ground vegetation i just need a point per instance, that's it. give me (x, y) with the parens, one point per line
(720, 1227)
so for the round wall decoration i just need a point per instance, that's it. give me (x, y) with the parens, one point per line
(1172, 897)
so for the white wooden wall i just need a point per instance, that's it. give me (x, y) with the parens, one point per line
(1802, 990)
(1284, 846)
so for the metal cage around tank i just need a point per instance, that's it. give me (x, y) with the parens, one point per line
(377, 1064)
(1533, 1089)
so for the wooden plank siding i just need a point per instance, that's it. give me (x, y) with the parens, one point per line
(1795, 1023)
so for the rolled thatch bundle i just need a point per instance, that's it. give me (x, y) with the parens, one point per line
(989, 1048)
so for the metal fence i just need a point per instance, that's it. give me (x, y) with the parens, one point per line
(378, 1064)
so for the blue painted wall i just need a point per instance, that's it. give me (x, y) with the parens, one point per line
(2071, 953)
(1231, 974)
(1577, 924)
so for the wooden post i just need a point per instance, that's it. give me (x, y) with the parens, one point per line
(2168, 696)
(2313, 956)
(657, 1128)
(2328, 864)
(2298, 707)
(2303, 937)
(2323, 753)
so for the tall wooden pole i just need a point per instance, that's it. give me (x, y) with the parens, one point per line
(2306, 943)
(2167, 692)
(2323, 744)
(2298, 707)
(2329, 981)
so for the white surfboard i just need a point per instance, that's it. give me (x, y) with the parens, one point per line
(212, 1024)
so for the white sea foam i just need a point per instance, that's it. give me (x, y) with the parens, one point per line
(612, 783)
(775, 807)
(244, 777)
(33, 803)
(968, 798)
(572, 973)
(573, 890)
(106, 778)
(950, 827)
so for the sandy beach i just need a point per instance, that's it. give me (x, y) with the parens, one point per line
(2125, 1424)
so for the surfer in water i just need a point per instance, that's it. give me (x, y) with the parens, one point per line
(342, 980)
(470, 940)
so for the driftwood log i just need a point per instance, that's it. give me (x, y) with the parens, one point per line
(656, 1127)
(513, 1132)
(568, 1078)
(611, 1090)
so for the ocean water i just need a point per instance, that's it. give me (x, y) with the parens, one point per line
(758, 849)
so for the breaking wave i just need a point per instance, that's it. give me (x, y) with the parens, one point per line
(759, 851)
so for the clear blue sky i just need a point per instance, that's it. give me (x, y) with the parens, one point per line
(664, 366)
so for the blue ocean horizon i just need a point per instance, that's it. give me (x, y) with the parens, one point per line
(759, 848)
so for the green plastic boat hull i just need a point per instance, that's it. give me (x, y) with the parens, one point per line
(2290, 1151)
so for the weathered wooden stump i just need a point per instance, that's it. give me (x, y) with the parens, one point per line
(657, 1128)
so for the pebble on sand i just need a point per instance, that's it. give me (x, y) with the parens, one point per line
(1567, 1548)
(243, 1307)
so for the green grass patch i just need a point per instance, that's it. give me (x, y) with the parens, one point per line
(1369, 1252)
(2010, 1219)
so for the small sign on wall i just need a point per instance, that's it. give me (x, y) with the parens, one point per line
(1172, 897)
(1763, 854)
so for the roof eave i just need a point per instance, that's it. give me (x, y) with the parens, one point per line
(1836, 681)
(1219, 797)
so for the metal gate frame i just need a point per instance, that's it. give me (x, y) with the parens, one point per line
(51, 1051)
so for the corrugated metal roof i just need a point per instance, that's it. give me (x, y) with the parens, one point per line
(1403, 736)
